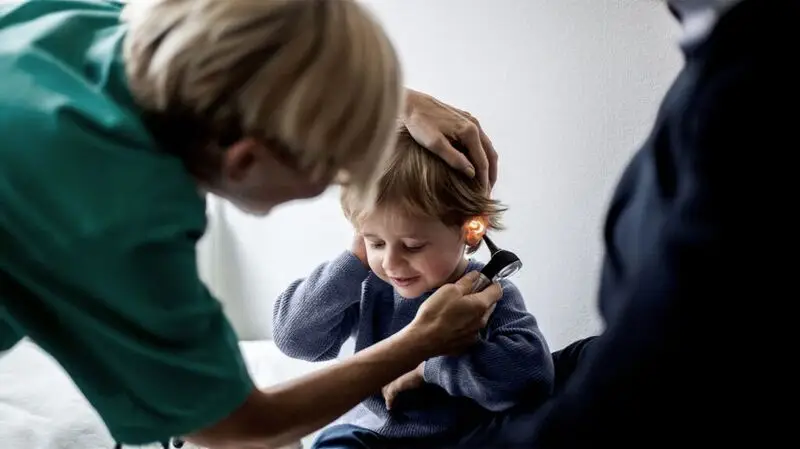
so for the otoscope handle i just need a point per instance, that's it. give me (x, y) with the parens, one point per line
(502, 263)
(481, 283)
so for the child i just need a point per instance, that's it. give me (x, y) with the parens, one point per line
(409, 242)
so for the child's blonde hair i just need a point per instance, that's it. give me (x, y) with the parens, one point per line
(421, 184)
(318, 79)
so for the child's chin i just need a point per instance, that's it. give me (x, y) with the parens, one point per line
(411, 291)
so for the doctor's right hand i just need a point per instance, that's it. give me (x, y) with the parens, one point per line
(450, 320)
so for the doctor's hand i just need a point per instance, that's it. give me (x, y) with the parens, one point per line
(449, 321)
(435, 125)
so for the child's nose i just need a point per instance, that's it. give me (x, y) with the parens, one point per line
(392, 260)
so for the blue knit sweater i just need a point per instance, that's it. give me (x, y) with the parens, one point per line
(341, 298)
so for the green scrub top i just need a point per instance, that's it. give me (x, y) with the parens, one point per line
(98, 232)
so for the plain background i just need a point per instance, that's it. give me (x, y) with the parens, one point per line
(566, 89)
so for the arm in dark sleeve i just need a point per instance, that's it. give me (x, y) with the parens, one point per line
(98, 235)
(675, 335)
(136, 330)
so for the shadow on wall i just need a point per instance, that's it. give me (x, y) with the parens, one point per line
(219, 258)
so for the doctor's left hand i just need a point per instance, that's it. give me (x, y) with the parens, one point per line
(408, 381)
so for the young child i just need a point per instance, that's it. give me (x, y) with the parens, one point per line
(410, 241)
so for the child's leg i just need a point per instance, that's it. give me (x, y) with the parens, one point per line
(346, 436)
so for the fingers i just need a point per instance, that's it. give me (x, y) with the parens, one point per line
(487, 149)
(389, 393)
(481, 157)
(433, 136)
(487, 315)
(470, 136)
(454, 158)
(491, 156)
(489, 296)
(464, 285)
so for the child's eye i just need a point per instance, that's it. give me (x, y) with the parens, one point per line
(415, 248)
(376, 245)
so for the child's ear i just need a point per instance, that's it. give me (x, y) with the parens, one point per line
(474, 230)
(472, 249)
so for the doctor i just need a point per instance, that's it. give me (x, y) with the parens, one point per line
(110, 132)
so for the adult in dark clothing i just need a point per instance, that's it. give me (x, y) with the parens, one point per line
(690, 234)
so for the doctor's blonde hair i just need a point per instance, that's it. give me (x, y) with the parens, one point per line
(317, 79)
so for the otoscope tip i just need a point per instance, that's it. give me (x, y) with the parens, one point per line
(489, 243)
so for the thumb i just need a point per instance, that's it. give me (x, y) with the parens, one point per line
(465, 284)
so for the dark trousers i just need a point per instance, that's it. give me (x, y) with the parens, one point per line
(345, 436)
(566, 360)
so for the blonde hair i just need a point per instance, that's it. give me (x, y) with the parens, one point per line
(419, 183)
(317, 79)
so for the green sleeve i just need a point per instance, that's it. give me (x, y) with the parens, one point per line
(99, 268)
(98, 234)
(141, 337)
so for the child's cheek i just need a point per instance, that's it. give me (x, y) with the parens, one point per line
(437, 270)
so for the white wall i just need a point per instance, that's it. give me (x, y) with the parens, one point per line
(566, 89)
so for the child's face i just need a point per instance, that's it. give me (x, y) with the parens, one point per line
(413, 255)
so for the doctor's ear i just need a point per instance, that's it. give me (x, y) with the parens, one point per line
(240, 158)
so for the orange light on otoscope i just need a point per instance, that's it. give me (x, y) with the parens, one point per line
(475, 229)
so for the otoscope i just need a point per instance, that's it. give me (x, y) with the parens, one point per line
(502, 264)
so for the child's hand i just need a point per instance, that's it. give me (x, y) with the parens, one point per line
(410, 380)
(359, 248)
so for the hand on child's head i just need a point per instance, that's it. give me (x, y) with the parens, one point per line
(435, 125)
